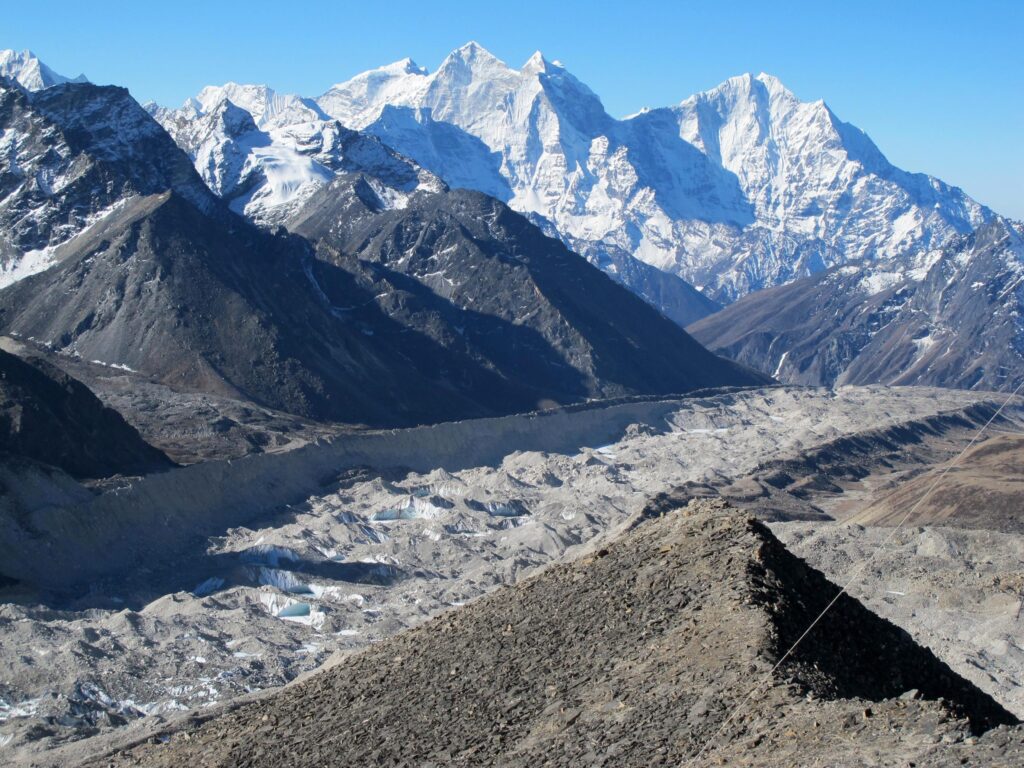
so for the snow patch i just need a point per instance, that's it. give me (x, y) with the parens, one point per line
(782, 361)
(30, 263)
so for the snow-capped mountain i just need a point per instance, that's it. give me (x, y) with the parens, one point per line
(114, 249)
(30, 73)
(69, 155)
(266, 153)
(823, 194)
(948, 317)
(735, 189)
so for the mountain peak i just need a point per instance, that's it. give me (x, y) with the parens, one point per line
(30, 72)
(473, 55)
(536, 63)
(774, 85)
(472, 48)
(404, 66)
(248, 96)
(748, 83)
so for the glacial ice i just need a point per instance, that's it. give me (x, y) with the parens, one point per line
(208, 587)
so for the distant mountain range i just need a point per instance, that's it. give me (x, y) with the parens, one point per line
(735, 189)
(392, 301)
(694, 207)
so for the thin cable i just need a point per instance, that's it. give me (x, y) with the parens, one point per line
(849, 583)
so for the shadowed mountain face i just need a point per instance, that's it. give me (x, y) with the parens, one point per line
(635, 655)
(502, 300)
(176, 287)
(209, 303)
(952, 320)
(47, 416)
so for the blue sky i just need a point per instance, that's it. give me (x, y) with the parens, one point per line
(939, 85)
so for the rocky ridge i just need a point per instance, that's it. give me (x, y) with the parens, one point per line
(633, 655)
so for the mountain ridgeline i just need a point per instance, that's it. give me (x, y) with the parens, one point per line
(132, 261)
(418, 275)
(954, 321)
(734, 190)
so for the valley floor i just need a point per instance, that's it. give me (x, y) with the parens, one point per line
(378, 549)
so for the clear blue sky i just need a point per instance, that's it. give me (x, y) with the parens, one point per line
(938, 84)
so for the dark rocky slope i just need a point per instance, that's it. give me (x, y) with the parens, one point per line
(146, 268)
(49, 417)
(212, 304)
(632, 656)
(508, 311)
(206, 302)
(957, 325)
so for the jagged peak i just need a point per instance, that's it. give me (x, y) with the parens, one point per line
(770, 81)
(211, 94)
(472, 48)
(237, 119)
(474, 56)
(396, 69)
(746, 85)
(25, 68)
(405, 66)
(536, 63)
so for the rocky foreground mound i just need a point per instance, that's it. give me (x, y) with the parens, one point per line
(634, 655)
